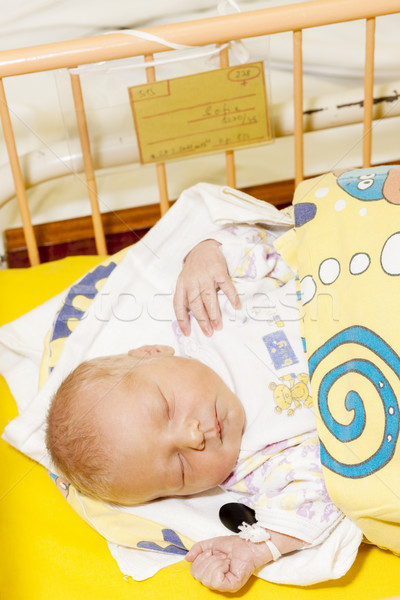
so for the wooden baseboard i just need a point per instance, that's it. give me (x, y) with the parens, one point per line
(122, 228)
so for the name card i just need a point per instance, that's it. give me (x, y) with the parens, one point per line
(196, 114)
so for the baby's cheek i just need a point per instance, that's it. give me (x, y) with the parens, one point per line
(226, 465)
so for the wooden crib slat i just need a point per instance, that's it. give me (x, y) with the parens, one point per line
(99, 236)
(298, 107)
(160, 167)
(230, 168)
(20, 191)
(162, 187)
(229, 154)
(368, 90)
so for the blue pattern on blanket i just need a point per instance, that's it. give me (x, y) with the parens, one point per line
(176, 546)
(85, 287)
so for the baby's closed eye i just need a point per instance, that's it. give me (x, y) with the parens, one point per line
(182, 467)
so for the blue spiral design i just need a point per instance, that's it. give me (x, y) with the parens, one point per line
(353, 401)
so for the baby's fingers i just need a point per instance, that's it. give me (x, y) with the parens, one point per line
(181, 307)
(202, 307)
(230, 292)
(212, 309)
(211, 569)
(214, 571)
(203, 547)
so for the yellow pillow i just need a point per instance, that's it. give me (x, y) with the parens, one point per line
(346, 250)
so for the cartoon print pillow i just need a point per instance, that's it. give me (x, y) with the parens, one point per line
(346, 249)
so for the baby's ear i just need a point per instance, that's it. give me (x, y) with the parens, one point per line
(151, 350)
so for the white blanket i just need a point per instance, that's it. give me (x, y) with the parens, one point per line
(133, 308)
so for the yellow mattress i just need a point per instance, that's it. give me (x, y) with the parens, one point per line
(49, 553)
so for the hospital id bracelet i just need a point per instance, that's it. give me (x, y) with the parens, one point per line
(254, 533)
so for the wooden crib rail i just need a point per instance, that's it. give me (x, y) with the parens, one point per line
(216, 30)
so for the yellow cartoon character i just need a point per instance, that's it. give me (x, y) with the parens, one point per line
(300, 390)
(296, 393)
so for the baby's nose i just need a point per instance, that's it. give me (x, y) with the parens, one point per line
(191, 435)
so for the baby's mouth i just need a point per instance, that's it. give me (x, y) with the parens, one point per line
(219, 427)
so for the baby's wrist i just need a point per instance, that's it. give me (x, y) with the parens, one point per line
(262, 545)
(262, 554)
(268, 545)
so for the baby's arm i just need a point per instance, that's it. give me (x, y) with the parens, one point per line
(226, 563)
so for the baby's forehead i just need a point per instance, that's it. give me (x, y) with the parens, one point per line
(167, 366)
(157, 376)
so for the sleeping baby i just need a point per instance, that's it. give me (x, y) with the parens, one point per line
(233, 409)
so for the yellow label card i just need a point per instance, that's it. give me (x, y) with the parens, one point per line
(207, 112)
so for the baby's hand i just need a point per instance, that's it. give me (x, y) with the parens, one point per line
(226, 563)
(204, 272)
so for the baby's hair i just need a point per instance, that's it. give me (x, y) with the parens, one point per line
(74, 444)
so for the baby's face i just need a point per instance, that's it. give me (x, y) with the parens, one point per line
(174, 429)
